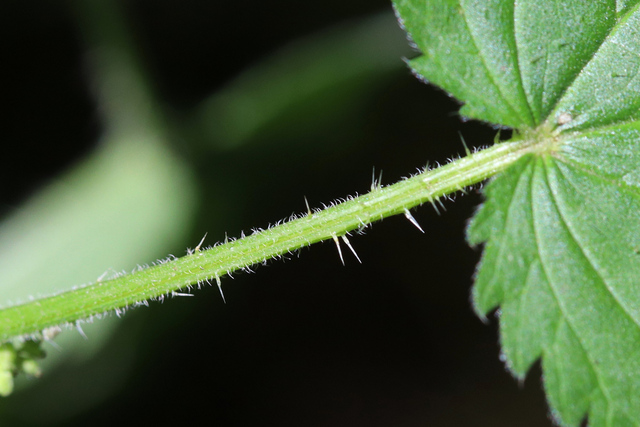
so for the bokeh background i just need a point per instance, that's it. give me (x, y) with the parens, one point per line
(131, 128)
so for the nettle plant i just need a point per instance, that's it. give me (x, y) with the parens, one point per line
(561, 221)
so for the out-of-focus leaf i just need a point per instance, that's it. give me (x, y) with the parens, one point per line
(131, 200)
(305, 84)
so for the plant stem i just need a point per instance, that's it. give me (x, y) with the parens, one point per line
(333, 222)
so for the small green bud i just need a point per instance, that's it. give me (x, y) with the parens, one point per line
(30, 367)
(6, 383)
(7, 368)
(7, 358)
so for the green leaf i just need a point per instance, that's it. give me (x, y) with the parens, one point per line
(562, 260)
(509, 64)
(561, 226)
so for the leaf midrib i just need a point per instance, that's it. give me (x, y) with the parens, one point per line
(563, 311)
(571, 231)
(553, 192)
(503, 240)
(620, 21)
(531, 119)
(631, 190)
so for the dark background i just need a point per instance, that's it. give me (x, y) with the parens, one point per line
(307, 342)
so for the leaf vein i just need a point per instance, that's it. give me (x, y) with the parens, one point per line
(612, 30)
(516, 52)
(504, 234)
(562, 309)
(633, 191)
(580, 245)
(583, 251)
(488, 72)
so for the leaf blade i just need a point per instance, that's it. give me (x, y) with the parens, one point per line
(608, 88)
(590, 273)
(510, 62)
(451, 60)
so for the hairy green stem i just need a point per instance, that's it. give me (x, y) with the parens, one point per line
(206, 265)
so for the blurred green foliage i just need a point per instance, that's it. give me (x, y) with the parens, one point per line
(135, 197)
